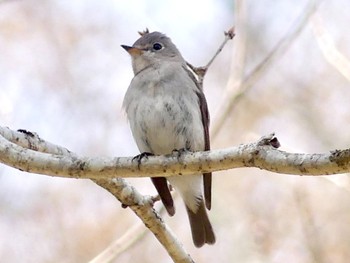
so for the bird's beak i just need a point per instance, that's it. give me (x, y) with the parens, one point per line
(133, 51)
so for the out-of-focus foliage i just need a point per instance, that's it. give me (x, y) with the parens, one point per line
(64, 75)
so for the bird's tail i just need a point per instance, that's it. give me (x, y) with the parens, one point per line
(202, 231)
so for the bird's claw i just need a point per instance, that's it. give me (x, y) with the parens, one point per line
(139, 157)
(179, 152)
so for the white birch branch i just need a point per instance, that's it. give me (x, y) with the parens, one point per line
(262, 154)
(142, 206)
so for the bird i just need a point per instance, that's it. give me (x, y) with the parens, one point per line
(167, 111)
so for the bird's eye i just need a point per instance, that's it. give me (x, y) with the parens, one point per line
(157, 46)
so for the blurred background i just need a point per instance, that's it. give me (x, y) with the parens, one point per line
(63, 75)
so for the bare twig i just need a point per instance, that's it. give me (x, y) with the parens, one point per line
(230, 34)
(201, 71)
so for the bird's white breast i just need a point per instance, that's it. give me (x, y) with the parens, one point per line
(163, 110)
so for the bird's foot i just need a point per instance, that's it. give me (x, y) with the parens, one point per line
(139, 157)
(180, 152)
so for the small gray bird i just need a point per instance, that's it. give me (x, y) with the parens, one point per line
(167, 111)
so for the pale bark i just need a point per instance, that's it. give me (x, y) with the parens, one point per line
(262, 154)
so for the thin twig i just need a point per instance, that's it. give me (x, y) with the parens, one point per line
(230, 34)
(201, 71)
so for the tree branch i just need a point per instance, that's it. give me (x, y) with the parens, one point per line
(262, 154)
(142, 206)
